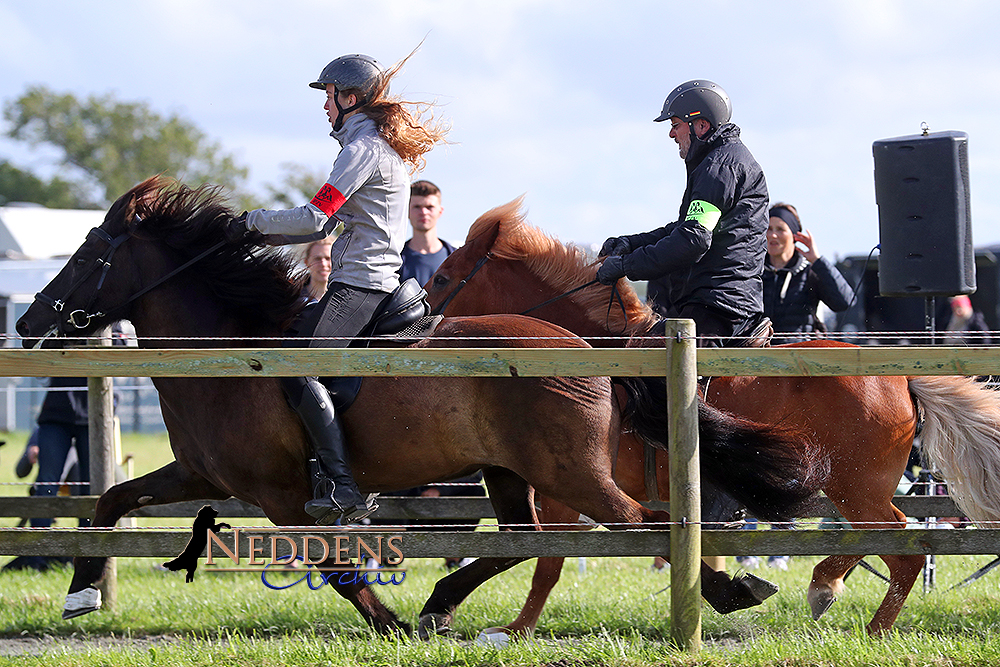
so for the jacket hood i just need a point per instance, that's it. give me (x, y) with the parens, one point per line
(796, 264)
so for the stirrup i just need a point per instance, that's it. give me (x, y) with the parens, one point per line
(327, 512)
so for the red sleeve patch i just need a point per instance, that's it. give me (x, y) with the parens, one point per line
(328, 199)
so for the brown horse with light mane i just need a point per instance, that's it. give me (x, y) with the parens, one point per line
(864, 425)
(160, 260)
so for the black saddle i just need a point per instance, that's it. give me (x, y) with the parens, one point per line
(404, 314)
(402, 318)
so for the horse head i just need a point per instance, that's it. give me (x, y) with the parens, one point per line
(509, 266)
(76, 303)
(152, 233)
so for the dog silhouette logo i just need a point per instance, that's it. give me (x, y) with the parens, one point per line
(188, 560)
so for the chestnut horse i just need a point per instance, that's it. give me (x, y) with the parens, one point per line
(864, 425)
(238, 437)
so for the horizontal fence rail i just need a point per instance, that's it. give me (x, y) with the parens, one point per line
(161, 543)
(493, 362)
(391, 508)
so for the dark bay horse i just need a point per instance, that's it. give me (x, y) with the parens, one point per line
(864, 425)
(238, 437)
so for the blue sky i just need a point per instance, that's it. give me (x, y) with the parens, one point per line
(552, 100)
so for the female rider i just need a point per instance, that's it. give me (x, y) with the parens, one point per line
(382, 142)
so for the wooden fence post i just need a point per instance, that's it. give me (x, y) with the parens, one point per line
(685, 485)
(100, 410)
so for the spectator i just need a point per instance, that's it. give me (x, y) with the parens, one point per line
(796, 280)
(63, 433)
(316, 257)
(61, 444)
(424, 252)
(965, 318)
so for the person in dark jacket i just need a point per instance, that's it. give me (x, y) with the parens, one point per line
(63, 424)
(796, 280)
(708, 263)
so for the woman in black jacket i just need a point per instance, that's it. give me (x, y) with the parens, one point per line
(796, 280)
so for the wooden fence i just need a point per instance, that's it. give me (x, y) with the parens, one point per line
(680, 363)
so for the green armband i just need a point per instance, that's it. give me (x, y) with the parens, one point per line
(705, 214)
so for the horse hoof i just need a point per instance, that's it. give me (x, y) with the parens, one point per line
(741, 592)
(434, 624)
(81, 602)
(820, 602)
(495, 637)
(760, 589)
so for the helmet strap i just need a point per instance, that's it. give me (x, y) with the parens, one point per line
(695, 139)
(342, 112)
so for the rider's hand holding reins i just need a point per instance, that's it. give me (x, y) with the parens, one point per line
(612, 269)
(237, 231)
(616, 245)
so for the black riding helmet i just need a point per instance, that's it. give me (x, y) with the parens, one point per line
(349, 73)
(697, 99)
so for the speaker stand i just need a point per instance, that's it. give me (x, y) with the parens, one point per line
(929, 324)
(930, 566)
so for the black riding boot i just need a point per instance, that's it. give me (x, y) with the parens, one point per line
(335, 494)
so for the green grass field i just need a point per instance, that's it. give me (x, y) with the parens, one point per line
(612, 613)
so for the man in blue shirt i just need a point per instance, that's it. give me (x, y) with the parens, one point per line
(423, 254)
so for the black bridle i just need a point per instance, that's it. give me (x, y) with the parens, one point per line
(81, 318)
(488, 256)
(462, 283)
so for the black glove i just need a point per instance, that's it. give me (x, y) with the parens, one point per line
(616, 245)
(612, 269)
(236, 231)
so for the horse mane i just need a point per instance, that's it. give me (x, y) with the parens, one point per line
(259, 286)
(561, 266)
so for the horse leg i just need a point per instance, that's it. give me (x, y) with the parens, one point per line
(547, 569)
(352, 588)
(612, 506)
(510, 495)
(171, 483)
(828, 575)
(827, 582)
(903, 572)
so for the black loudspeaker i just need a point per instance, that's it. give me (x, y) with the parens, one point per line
(925, 229)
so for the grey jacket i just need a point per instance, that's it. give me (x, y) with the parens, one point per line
(368, 191)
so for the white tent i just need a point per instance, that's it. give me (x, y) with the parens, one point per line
(36, 232)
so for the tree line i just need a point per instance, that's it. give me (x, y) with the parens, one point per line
(104, 146)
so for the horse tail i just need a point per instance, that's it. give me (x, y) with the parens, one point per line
(774, 470)
(961, 436)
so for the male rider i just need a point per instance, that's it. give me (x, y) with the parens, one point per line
(710, 260)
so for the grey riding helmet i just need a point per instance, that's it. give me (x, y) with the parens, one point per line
(351, 72)
(697, 99)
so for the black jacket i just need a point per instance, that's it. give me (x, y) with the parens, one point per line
(793, 292)
(720, 268)
(69, 406)
(65, 407)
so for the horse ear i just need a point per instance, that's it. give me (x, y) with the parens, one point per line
(487, 229)
(126, 207)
